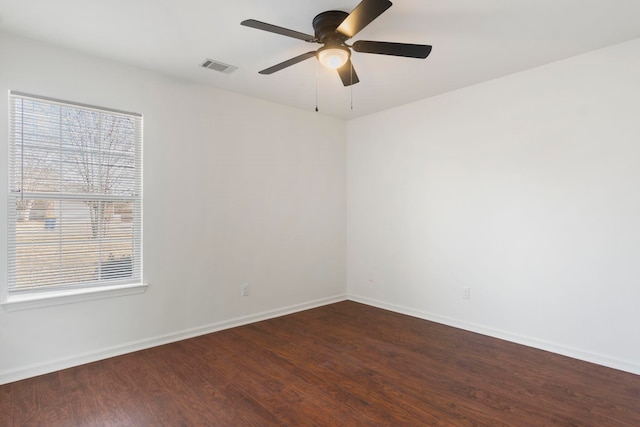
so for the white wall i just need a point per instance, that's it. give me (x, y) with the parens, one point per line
(525, 189)
(236, 190)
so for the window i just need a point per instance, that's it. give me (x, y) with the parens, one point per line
(75, 195)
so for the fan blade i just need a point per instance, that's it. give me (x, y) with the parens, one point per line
(362, 15)
(288, 63)
(278, 30)
(395, 49)
(348, 74)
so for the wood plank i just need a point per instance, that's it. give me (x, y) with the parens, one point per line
(6, 415)
(84, 410)
(39, 401)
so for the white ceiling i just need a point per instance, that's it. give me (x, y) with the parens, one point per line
(473, 41)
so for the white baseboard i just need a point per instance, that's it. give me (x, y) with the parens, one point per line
(599, 359)
(105, 353)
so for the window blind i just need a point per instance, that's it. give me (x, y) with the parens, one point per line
(75, 195)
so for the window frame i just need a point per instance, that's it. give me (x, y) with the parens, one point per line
(30, 297)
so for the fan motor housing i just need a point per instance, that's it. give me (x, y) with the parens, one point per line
(325, 25)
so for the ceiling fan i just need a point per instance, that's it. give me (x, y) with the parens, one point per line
(332, 29)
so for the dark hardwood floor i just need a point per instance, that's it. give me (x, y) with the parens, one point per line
(344, 364)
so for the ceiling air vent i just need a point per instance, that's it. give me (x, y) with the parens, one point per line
(218, 66)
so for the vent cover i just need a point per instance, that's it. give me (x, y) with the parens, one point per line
(218, 66)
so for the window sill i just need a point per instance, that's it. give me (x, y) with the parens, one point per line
(47, 299)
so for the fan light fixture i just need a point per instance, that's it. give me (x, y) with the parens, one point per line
(333, 57)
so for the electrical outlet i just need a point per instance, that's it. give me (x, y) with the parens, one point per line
(244, 289)
(466, 293)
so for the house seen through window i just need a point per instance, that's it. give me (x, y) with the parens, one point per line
(75, 195)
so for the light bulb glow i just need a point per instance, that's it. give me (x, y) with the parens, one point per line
(333, 57)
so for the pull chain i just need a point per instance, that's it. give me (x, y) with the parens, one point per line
(351, 70)
(316, 86)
